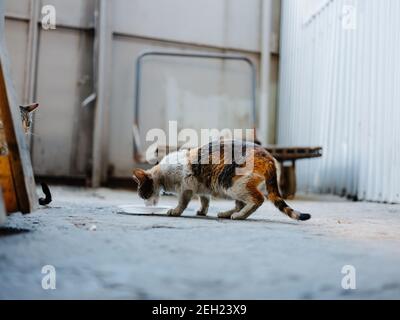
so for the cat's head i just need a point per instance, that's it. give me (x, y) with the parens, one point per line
(148, 186)
(26, 116)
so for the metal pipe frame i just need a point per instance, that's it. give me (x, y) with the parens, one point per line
(214, 56)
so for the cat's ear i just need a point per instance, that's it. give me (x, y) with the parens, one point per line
(30, 107)
(140, 176)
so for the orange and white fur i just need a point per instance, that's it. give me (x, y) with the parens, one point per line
(204, 172)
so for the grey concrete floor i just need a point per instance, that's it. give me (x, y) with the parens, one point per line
(158, 257)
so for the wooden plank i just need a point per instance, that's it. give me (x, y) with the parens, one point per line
(7, 185)
(6, 180)
(19, 166)
(294, 153)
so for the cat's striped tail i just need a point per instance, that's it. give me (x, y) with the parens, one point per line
(275, 197)
(47, 200)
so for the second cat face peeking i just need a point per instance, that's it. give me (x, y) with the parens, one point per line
(26, 116)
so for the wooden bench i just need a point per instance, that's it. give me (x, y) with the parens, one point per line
(287, 157)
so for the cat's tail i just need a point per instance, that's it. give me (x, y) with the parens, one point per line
(275, 197)
(47, 200)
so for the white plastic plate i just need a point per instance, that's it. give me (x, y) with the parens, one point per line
(133, 209)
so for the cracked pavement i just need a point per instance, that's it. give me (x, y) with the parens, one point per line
(99, 254)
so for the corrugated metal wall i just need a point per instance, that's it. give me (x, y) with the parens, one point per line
(339, 88)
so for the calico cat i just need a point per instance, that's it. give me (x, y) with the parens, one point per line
(26, 116)
(231, 168)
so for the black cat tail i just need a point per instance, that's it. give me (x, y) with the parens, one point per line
(47, 200)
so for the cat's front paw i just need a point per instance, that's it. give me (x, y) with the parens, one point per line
(174, 213)
(201, 213)
(225, 214)
(238, 216)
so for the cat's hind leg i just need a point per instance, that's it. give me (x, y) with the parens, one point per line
(228, 214)
(251, 196)
(184, 199)
(204, 204)
(246, 211)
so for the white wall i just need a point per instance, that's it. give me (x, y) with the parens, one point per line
(63, 78)
(220, 23)
(207, 93)
(17, 45)
(196, 93)
(339, 89)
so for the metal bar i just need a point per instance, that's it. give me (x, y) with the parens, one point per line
(17, 17)
(102, 45)
(60, 25)
(189, 55)
(194, 45)
(31, 62)
(266, 116)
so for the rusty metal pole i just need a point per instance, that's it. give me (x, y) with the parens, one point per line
(265, 120)
(31, 63)
(102, 51)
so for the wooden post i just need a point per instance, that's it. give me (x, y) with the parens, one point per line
(16, 174)
(287, 181)
(7, 184)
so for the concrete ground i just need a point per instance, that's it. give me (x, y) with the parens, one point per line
(98, 253)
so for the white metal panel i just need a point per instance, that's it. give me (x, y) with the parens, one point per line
(338, 89)
(62, 127)
(20, 8)
(243, 24)
(221, 23)
(276, 25)
(62, 130)
(65, 57)
(196, 93)
(16, 34)
(75, 13)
